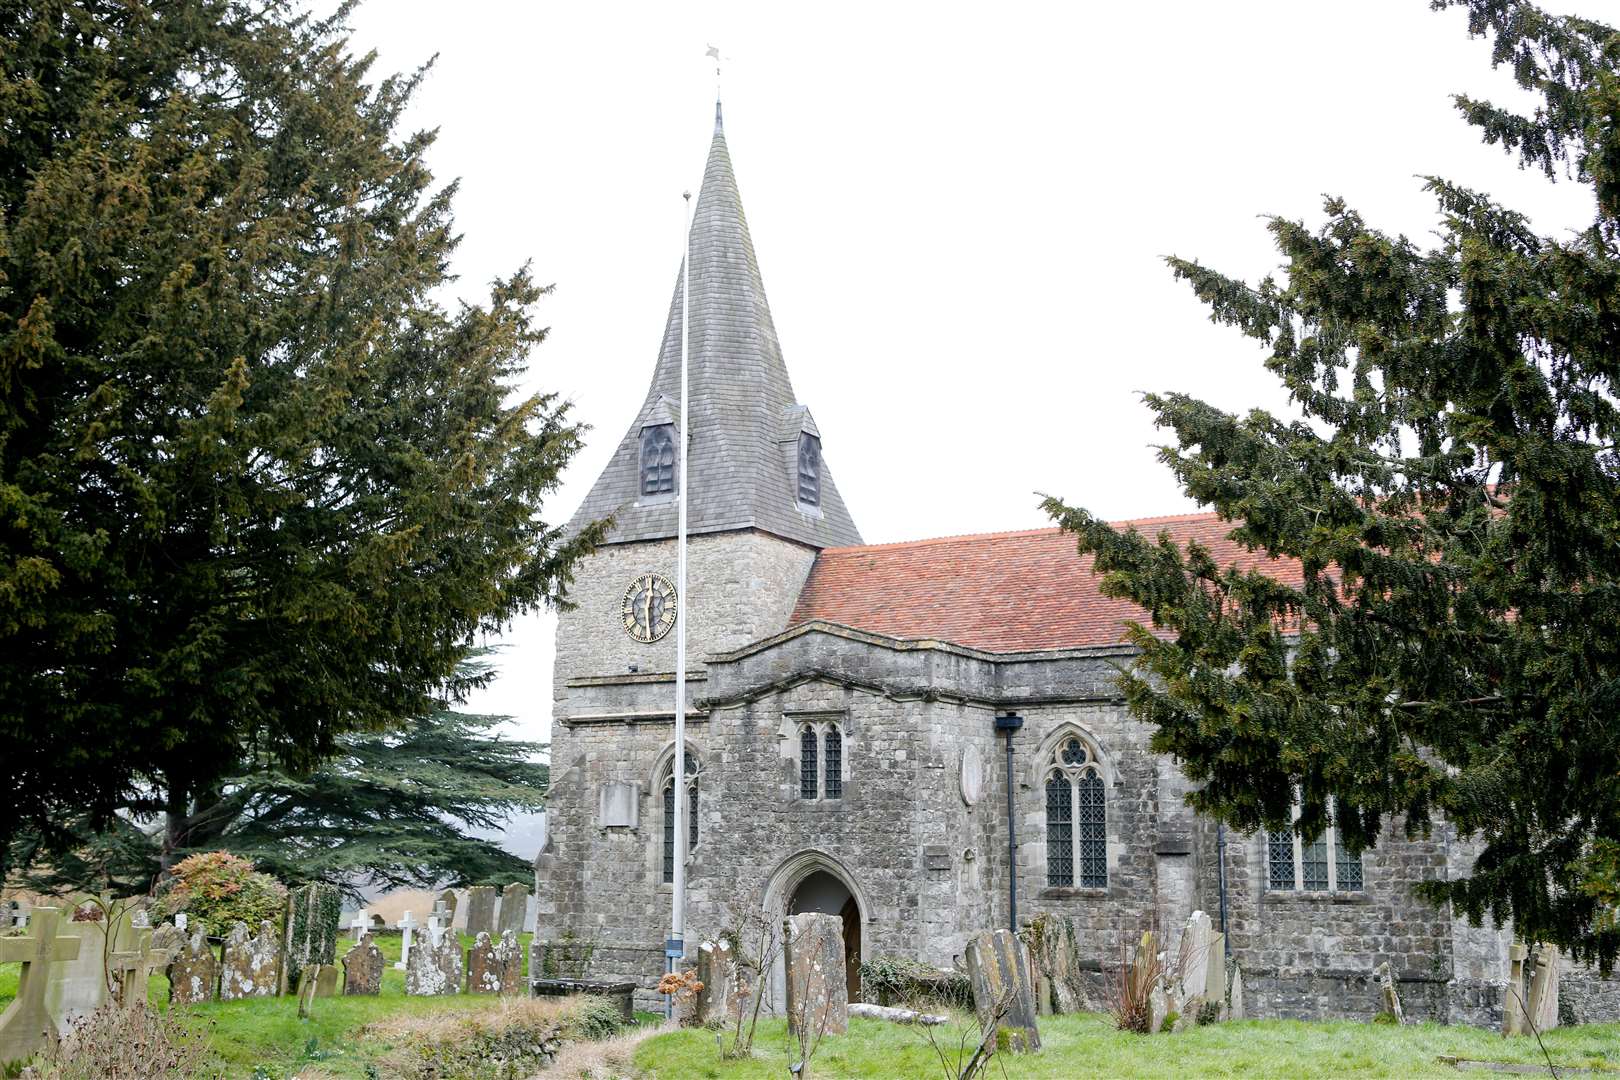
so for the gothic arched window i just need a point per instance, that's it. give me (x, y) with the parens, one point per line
(832, 763)
(809, 469)
(658, 459)
(821, 760)
(807, 763)
(1076, 818)
(669, 814)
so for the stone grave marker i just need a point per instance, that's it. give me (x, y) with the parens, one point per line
(1056, 956)
(313, 916)
(1515, 1015)
(407, 933)
(306, 990)
(514, 908)
(717, 971)
(449, 899)
(817, 988)
(1215, 985)
(194, 972)
(133, 965)
(483, 977)
(998, 968)
(169, 936)
(1234, 1010)
(1158, 1009)
(481, 910)
(363, 967)
(435, 965)
(1543, 1007)
(26, 1024)
(509, 960)
(1390, 998)
(180, 921)
(78, 987)
(1194, 965)
(360, 925)
(326, 980)
(251, 966)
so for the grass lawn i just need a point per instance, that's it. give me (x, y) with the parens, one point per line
(1088, 1046)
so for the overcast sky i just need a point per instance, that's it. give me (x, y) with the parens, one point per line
(960, 213)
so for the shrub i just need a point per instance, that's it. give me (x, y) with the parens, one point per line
(114, 1043)
(217, 889)
(891, 980)
(512, 1039)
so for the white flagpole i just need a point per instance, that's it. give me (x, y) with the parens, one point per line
(675, 948)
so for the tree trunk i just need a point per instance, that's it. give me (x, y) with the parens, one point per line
(176, 826)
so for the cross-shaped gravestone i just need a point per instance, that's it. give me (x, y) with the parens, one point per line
(24, 1025)
(360, 925)
(133, 967)
(407, 925)
(440, 916)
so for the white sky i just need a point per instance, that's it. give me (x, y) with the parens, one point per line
(959, 211)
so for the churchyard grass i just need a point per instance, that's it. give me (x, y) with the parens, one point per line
(1087, 1045)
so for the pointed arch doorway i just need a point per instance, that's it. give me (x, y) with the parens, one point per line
(823, 892)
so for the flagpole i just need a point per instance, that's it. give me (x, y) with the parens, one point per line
(675, 947)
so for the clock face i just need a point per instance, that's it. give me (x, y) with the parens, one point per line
(649, 607)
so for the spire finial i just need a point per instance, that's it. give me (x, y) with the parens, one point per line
(714, 54)
(719, 128)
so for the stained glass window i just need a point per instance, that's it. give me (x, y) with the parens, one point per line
(1347, 868)
(833, 762)
(669, 816)
(1059, 830)
(658, 459)
(807, 764)
(1314, 863)
(809, 470)
(669, 831)
(1280, 857)
(1093, 833)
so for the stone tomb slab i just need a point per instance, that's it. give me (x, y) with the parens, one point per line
(622, 994)
(363, 967)
(998, 969)
(817, 986)
(26, 1024)
(481, 910)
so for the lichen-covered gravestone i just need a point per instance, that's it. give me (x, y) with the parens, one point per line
(25, 1024)
(132, 963)
(1196, 941)
(1056, 955)
(435, 964)
(481, 910)
(314, 915)
(998, 969)
(194, 974)
(363, 967)
(252, 963)
(483, 976)
(509, 959)
(717, 971)
(817, 988)
(514, 908)
(1386, 987)
(1543, 1010)
(78, 987)
(1515, 1015)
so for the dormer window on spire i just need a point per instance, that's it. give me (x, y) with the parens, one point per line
(809, 469)
(658, 459)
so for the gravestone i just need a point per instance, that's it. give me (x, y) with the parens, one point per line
(312, 930)
(194, 972)
(132, 964)
(363, 968)
(1141, 974)
(817, 986)
(1056, 956)
(449, 899)
(435, 965)
(514, 908)
(360, 925)
(717, 971)
(998, 969)
(1234, 1009)
(1158, 1009)
(481, 910)
(407, 939)
(26, 1024)
(483, 977)
(251, 966)
(509, 960)
(1543, 1007)
(78, 987)
(1390, 998)
(1215, 985)
(1515, 1015)
(1194, 965)
(169, 936)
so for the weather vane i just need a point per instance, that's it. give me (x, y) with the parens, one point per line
(714, 53)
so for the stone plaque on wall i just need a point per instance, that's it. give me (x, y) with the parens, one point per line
(619, 804)
(972, 778)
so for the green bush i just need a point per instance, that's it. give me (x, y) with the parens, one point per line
(217, 888)
(597, 1018)
(892, 980)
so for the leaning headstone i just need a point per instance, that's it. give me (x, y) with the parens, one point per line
(481, 910)
(1391, 999)
(1543, 1008)
(817, 987)
(407, 939)
(435, 966)
(194, 973)
(717, 971)
(1056, 956)
(132, 963)
(1515, 1015)
(998, 969)
(509, 961)
(1194, 966)
(483, 976)
(1158, 1009)
(25, 1024)
(313, 917)
(78, 987)
(363, 968)
(1141, 974)
(514, 908)
(1234, 997)
(251, 966)
(449, 899)
(1215, 984)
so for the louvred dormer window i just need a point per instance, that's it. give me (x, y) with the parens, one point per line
(809, 469)
(658, 459)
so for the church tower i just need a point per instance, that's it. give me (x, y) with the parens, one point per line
(762, 503)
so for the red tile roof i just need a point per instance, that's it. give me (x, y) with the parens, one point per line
(1000, 592)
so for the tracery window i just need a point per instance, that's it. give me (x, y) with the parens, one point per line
(809, 469)
(1076, 818)
(658, 459)
(1320, 865)
(821, 761)
(669, 814)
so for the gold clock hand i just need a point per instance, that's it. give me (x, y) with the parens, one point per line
(649, 607)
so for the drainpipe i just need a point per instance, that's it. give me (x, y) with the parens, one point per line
(1220, 860)
(1009, 724)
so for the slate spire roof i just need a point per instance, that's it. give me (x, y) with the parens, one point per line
(745, 420)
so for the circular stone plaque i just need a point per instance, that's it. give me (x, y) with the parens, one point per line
(972, 774)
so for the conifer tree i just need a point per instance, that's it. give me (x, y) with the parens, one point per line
(257, 488)
(1451, 489)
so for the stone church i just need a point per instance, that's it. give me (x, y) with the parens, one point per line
(842, 732)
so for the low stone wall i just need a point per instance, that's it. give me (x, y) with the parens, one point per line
(1340, 995)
